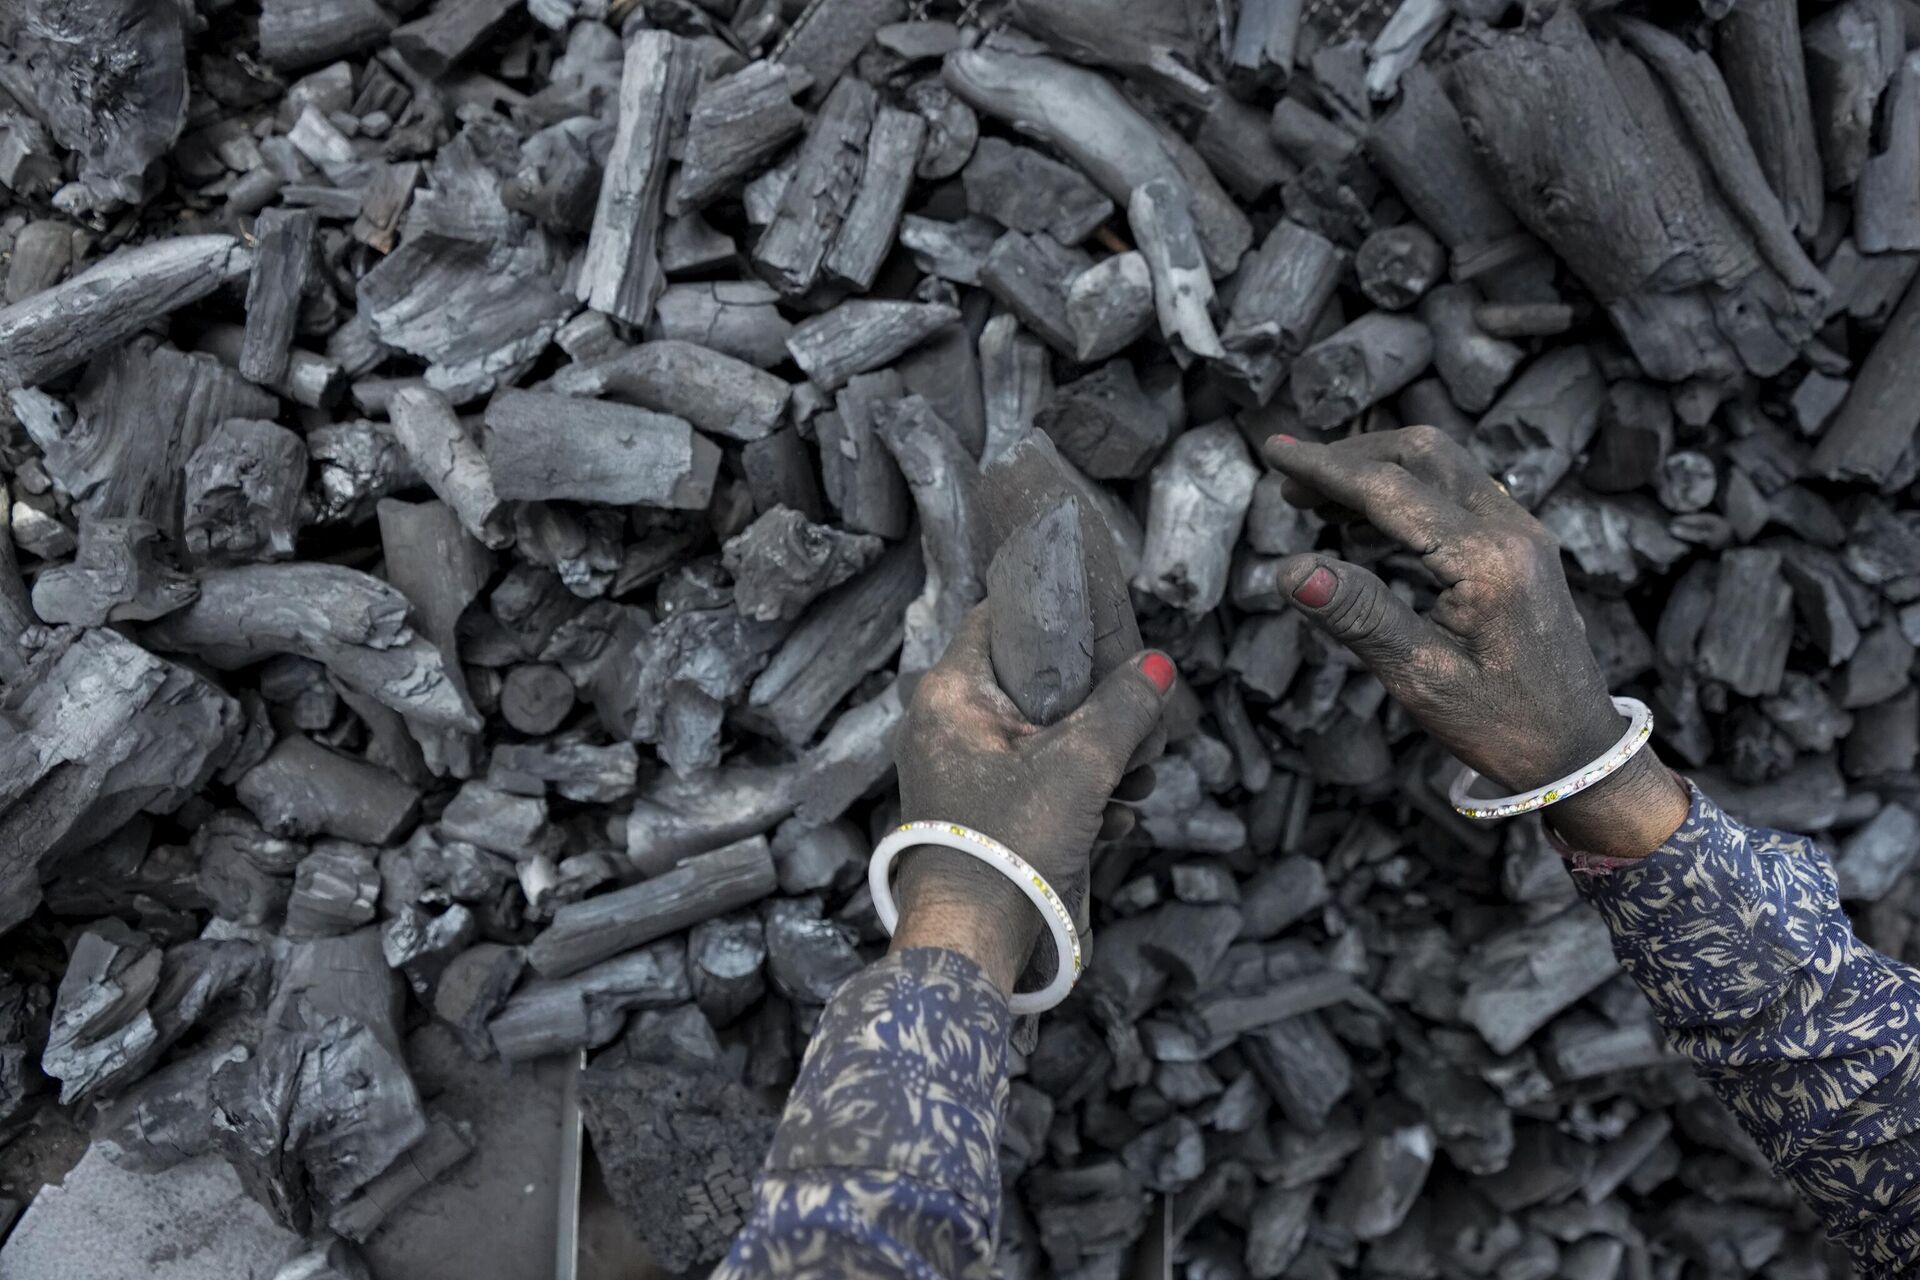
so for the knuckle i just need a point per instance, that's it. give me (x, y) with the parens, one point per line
(1426, 441)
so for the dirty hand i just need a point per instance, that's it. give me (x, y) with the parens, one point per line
(966, 755)
(1499, 670)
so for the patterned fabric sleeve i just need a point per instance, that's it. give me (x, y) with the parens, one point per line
(886, 1163)
(1811, 1037)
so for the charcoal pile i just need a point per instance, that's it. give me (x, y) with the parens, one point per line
(481, 480)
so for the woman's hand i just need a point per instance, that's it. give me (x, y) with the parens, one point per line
(966, 755)
(1499, 671)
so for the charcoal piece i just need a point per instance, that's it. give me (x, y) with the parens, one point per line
(1885, 741)
(101, 1027)
(587, 1009)
(350, 622)
(847, 633)
(1533, 433)
(243, 486)
(543, 446)
(1089, 1212)
(725, 957)
(952, 129)
(707, 885)
(1744, 642)
(780, 473)
(1168, 1157)
(1878, 669)
(1162, 224)
(1886, 206)
(944, 480)
(304, 33)
(949, 250)
(1343, 375)
(831, 857)
(336, 889)
(444, 454)
(1525, 319)
(1081, 115)
(472, 988)
(1142, 41)
(1278, 294)
(853, 757)
(863, 482)
(1105, 424)
(1422, 147)
(304, 789)
(1519, 979)
(739, 122)
(1236, 143)
(1851, 53)
(441, 570)
(444, 1146)
(355, 464)
(164, 1119)
(383, 205)
(536, 699)
(1031, 275)
(1473, 363)
(944, 370)
(782, 562)
(1876, 422)
(449, 31)
(1303, 1068)
(1634, 435)
(1042, 644)
(1686, 481)
(693, 665)
(866, 234)
(1379, 1186)
(1277, 1227)
(1875, 858)
(421, 944)
(793, 248)
(1397, 265)
(1109, 305)
(716, 392)
(1286, 891)
(1759, 48)
(283, 261)
(1023, 190)
(736, 317)
(1264, 37)
(808, 957)
(682, 1149)
(42, 252)
(514, 826)
(863, 334)
(116, 576)
(1016, 381)
(1199, 501)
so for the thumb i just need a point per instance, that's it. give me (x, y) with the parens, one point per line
(1356, 608)
(1123, 710)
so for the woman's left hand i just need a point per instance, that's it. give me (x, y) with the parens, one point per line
(966, 755)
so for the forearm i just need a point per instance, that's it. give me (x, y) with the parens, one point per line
(1737, 937)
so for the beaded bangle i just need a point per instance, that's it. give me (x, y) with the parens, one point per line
(949, 835)
(1639, 729)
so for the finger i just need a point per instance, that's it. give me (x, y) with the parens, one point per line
(1136, 785)
(969, 653)
(1440, 460)
(1356, 608)
(1116, 821)
(1120, 714)
(1392, 498)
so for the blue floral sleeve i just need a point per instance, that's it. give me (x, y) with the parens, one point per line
(1811, 1037)
(886, 1163)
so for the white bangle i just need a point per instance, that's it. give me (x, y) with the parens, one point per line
(949, 835)
(1639, 729)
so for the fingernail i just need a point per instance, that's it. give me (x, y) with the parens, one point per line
(1158, 667)
(1283, 438)
(1317, 589)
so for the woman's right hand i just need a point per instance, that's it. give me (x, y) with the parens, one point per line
(1499, 670)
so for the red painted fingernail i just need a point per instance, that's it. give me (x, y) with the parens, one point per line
(1284, 438)
(1158, 667)
(1317, 589)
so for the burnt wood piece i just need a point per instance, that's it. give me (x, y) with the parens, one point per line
(57, 329)
(1422, 147)
(1744, 642)
(847, 633)
(1473, 363)
(536, 698)
(1080, 114)
(1400, 43)
(1042, 620)
(444, 454)
(824, 39)
(450, 31)
(1141, 40)
(944, 370)
(1030, 275)
(16, 609)
(1886, 199)
(953, 130)
(307, 33)
(446, 1144)
(862, 334)
(283, 261)
(709, 884)
(1105, 424)
(1398, 264)
(862, 480)
(621, 273)
(1163, 227)
(355, 464)
(1023, 190)
(1343, 375)
(473, 987)
(1198, 503)
(867, 233)
(350, 622)
(1758, 47)
(1546, 418)
(1522, 977)
(1236, 142)
(303, 789)
(725, 957)
(780, 473)
(1265, 34)
(571, 768)
(737, 317)
(118, 575)
(542, 446)
(1852, 51)
(949, 250)
(1633, 439)
(384, 204)
(439, 566)
(1109, 305)
(557, 182)
(944, 479)
(42, 252)
(313, 380)
(1525, 319)
(1279, 293)
(716, 392)
(336, 889)
(739, 122)
(587, 1009)
(1015, 381)
(1876, 422)
(826, 179)
(243, 489)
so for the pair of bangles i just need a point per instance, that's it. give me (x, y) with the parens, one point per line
(1059, 920)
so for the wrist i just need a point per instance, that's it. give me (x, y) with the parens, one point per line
(1628, 815)
(953, 902)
